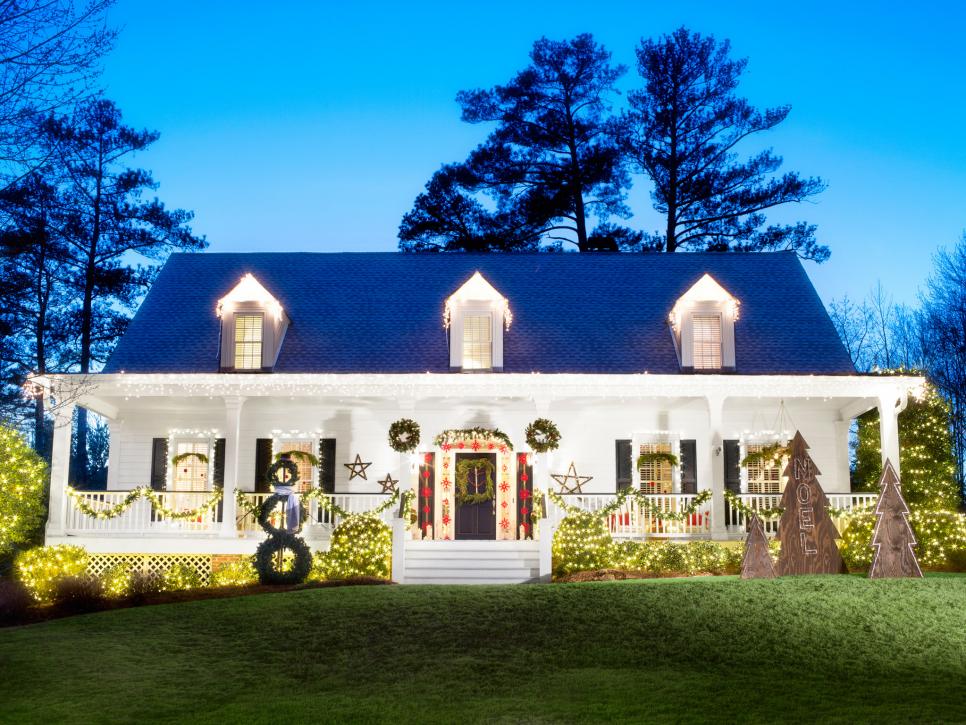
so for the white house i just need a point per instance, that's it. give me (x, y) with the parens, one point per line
(233, 358)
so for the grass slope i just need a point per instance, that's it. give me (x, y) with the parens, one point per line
(812, 648)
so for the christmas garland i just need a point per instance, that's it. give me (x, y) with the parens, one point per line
(463, 496)
(773, 453)
(459, 436)
(143, 492)
(190, 454)
(311, 459)
(642, 501)
(657, 457)
(404, 427)
(542, 435)
(742, 507)
(333, 508)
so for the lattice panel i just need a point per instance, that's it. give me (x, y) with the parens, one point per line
(155, 564)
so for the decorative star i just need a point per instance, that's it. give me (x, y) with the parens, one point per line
(357, 468)
(388, 483)
(570, 482)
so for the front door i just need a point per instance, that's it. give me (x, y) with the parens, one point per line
(476, 519)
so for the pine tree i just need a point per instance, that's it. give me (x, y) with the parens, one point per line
(806, 530)
(892, 539)
(757, 563)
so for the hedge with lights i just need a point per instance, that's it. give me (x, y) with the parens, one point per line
(180, 577)
(23, 475)
(360, 546)
(235, 574)
(940, 538)
(581, 542)
(39, 569)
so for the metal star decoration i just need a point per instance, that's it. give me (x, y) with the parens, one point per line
(570, 482)
(357, 468)
(388, 484)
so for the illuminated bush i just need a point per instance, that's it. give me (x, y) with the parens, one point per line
(38, 569)
(116, 581)
(581, 543)
(235, 574)
(180, 577)
(319, 571)
(668, 558)
(940, 537)
(361, 546)
(22, 478)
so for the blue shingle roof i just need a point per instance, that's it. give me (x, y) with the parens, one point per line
(576, 313)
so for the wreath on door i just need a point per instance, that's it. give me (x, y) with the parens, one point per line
(463, 469)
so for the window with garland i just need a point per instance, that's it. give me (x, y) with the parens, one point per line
(191, 472)
(656, 476)
(307, 472)
(765, 477)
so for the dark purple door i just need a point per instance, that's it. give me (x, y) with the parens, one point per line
(477, 520)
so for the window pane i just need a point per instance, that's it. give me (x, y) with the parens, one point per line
(656, 475)
(707, 342)
(477, 342)
(248, 342)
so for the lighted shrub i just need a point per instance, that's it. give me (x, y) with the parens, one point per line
(940, 537)
(319, 571)
(116, 581)
(235, 574)
(180, 577)
(361, 546)
(22, 506)
(581, 543)
(38, 569)
(670, 558)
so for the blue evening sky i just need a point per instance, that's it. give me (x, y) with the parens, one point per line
(313, 126)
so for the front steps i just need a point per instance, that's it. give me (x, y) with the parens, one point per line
(471, 562)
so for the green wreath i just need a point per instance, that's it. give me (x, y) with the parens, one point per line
(271, 550)
(543, 435)
(404, 427)
(463, 496)
(286, 464)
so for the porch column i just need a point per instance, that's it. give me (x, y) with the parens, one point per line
(714, 452)
(889, 408)
(233, 409)
(60, 468)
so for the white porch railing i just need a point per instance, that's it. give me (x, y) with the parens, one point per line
(632, 520)
(736, 521)
(140, 518)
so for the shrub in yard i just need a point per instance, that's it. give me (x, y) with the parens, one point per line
(707, 557)
(940, 537)
(234, 574)
(38, 569)
(78, 594)
(180, 577)
(116, 581)
(143, 583)
(361, 546)
(14, 600)
(23, 475)
(581, 542)
(319, 567)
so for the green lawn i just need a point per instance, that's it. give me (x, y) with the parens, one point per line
(812, 648)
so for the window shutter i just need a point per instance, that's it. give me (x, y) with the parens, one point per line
(625, 475)
(218, 469)
(689, 470)
(327, 465)
(732, 464)
(159, 463)
(263, 459)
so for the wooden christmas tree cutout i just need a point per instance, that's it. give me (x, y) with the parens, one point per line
(892, 538)
(757, 563)
(806, 530)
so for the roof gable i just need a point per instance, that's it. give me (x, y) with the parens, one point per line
(380, 312)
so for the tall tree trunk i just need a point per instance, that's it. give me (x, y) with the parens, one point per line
(576, 185)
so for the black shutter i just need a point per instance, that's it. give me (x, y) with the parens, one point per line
(732, 466)
(625, 469)
(327, 465)
(218, 472)
(263, 459)
(689, 470)
(159, 463)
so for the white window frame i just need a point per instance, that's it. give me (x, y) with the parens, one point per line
(261, 341)
(209, 443)
(673, 441)
(460, 312)
(743, 447)
(707, 314)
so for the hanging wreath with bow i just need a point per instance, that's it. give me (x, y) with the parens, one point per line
(404, 435)
(463, 470)
(543, 435)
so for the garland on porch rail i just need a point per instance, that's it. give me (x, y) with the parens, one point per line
(642, 501)
(458, 437)
(764, 514)
(133, 495)
(333, 508)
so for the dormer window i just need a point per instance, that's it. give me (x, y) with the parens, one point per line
(476, 316)
(253, 325)
(703, 327)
